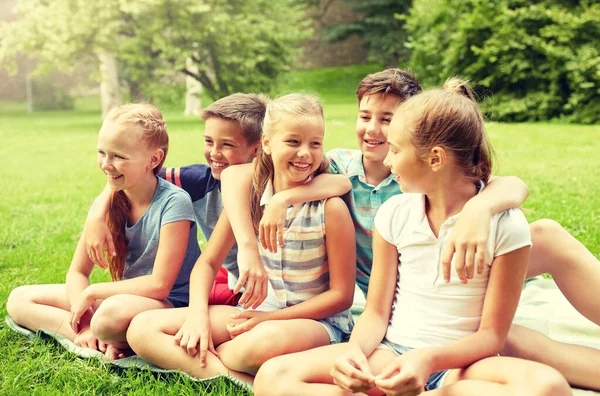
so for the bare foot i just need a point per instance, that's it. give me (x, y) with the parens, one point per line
(114, 353)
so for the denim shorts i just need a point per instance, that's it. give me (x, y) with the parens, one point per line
(435, 380)
(336, 335)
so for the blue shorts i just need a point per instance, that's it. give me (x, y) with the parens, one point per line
(435, 380)
(177, 303)
(336, 335)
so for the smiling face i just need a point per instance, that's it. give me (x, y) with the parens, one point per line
(225, 145)
(123, 157)
(296, 149)
(403, 159)
(374, 116)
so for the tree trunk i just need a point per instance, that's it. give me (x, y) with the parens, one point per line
(193, 91)
(110, 95)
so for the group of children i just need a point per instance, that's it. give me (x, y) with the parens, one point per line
(268, 299)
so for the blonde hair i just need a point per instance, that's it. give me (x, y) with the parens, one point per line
(450, 118)
(147, 119)
(307, 107)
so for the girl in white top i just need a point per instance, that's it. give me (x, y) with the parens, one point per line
(419, 333)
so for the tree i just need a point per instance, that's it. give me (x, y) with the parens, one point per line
(379, 26)
(65, 34)
(235, 45)
(540, 59)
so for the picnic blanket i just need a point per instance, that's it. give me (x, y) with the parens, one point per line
(542, 307)
(125, 363)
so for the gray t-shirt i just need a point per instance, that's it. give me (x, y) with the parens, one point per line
(169, 204)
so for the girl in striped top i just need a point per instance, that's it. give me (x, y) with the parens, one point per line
(310, 280)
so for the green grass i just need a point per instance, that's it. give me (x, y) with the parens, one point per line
(51, 178)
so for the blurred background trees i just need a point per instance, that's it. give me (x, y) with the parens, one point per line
(529, 60)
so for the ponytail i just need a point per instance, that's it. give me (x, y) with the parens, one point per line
(450, 118)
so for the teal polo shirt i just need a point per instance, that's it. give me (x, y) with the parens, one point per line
(363, 202)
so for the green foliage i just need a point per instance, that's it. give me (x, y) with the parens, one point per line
(235, 45)
(540, 59)
(380, 28)
(49, 96)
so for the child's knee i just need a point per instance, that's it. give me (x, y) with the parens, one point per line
(17, 299)
(111, 317)
(546, 382)
(545, 231)
(139, 331)
(271, 379)
(260, 344)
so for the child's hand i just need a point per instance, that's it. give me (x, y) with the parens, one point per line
(468, 243)
(253, 274)
(97, 236)
(85, 303)
(272, 224)
(351, 371)
(85, 339)
(407, 375)
(195, 336)
(253, 318)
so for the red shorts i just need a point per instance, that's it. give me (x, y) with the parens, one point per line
(220, 293)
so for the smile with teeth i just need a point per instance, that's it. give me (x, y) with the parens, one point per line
(300, 165)
(113, 177)
(218, 165)
(373, 143)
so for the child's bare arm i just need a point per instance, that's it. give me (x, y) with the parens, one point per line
(169, 258)
(501, 300)
(272, 223)
(468, 241)
(371, 326)
(97, 234)
(194, 336)
(77, 280)
(236, 183)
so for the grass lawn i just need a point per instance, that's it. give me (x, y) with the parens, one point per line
(52, 178)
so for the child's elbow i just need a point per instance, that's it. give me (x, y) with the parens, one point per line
(345, 300)
(160, 289)
(494, 343)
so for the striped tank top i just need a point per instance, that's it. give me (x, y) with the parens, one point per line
(299, 270)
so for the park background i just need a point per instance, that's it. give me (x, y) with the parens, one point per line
(63, 63)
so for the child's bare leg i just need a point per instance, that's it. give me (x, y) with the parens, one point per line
(308, 372)
(151, 335)
(41, 307)
(497, 376)
(579, 364)
(573, 267)
(248, 351)
(113, 316)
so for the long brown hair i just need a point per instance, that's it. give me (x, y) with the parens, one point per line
(293, 105)
(450, 118)
(126, 118)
